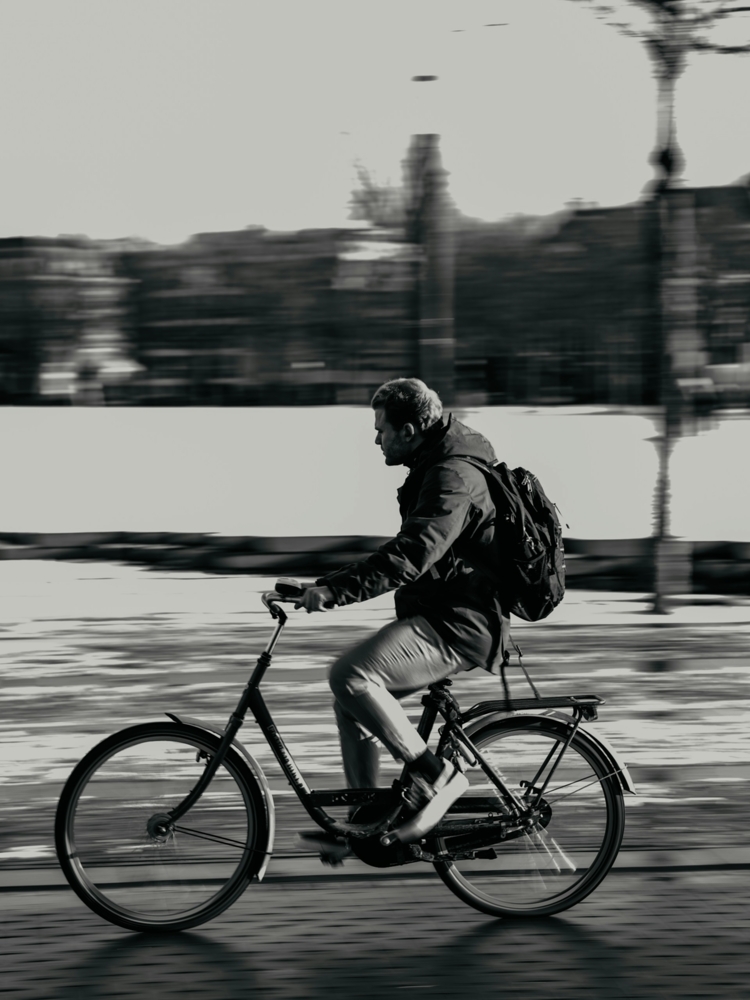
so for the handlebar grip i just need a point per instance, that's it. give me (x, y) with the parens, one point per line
(288, 589)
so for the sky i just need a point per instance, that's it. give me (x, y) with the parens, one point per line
(162, 118)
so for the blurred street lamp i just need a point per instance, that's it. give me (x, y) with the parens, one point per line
(674, 248)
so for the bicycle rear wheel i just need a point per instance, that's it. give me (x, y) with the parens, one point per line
(125, 863)
(571, 845)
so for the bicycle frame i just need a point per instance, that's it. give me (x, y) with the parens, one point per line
(313, 801)
(437, 702)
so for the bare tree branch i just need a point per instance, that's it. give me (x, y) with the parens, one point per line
(699, 45)
(675, 28)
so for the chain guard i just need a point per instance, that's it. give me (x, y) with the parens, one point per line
(373, 853)
(463, 845)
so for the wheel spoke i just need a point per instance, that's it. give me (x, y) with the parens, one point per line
(597, 779)
(203, 835)
(553, 850)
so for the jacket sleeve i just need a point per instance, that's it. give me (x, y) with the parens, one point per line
(428, 531)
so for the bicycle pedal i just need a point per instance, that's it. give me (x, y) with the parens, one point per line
(333, 860)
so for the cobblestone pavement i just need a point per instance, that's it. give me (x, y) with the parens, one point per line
(641, 935)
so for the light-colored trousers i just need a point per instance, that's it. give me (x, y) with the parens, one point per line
(368, 682)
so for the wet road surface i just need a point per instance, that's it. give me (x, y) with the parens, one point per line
(86, 649)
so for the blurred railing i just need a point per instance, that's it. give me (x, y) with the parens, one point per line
(624, 565)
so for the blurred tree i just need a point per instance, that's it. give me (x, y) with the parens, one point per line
(381, 204)
(424, 214)
(670, 31)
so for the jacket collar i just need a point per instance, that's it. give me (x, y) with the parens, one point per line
(432, 438)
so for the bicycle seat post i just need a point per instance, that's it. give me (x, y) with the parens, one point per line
(432, 701)
(440, 697)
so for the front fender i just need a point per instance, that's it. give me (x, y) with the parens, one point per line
(257, 770)
(607, 750)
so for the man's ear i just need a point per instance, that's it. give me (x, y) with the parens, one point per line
(408, 432)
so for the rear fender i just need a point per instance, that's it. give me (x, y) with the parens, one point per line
(606, 749)
(258, 774)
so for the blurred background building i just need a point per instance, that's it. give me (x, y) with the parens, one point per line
(562, 309)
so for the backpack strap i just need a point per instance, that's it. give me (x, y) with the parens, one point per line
(506, 639)
(485, 468)
(489, 467)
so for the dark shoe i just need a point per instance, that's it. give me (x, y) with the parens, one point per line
(332, 849)
(430, 801)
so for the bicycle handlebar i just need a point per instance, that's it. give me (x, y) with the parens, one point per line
(287, 591)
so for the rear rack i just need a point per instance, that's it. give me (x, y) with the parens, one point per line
(585, 703)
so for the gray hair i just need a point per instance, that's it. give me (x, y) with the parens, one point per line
(408, 401)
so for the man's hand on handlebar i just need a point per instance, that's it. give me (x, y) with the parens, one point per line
(316, 599)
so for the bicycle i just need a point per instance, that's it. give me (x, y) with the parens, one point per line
(163, 825)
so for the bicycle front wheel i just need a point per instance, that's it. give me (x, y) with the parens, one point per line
(131, 866)
(571, 843)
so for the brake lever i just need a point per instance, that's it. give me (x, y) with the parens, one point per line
(269, 598)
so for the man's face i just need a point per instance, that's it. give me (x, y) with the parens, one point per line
(395, 445)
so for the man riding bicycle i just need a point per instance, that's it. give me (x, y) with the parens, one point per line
(449, 617)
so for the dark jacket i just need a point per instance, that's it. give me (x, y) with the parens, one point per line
(447, 526)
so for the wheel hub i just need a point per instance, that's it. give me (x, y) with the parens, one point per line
(160, 828)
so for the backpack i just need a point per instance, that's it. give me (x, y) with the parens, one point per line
(528, 558)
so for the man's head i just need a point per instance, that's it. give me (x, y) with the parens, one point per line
(404, 410)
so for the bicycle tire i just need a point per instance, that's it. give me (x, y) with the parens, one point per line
(565, 856)
(135, 876)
